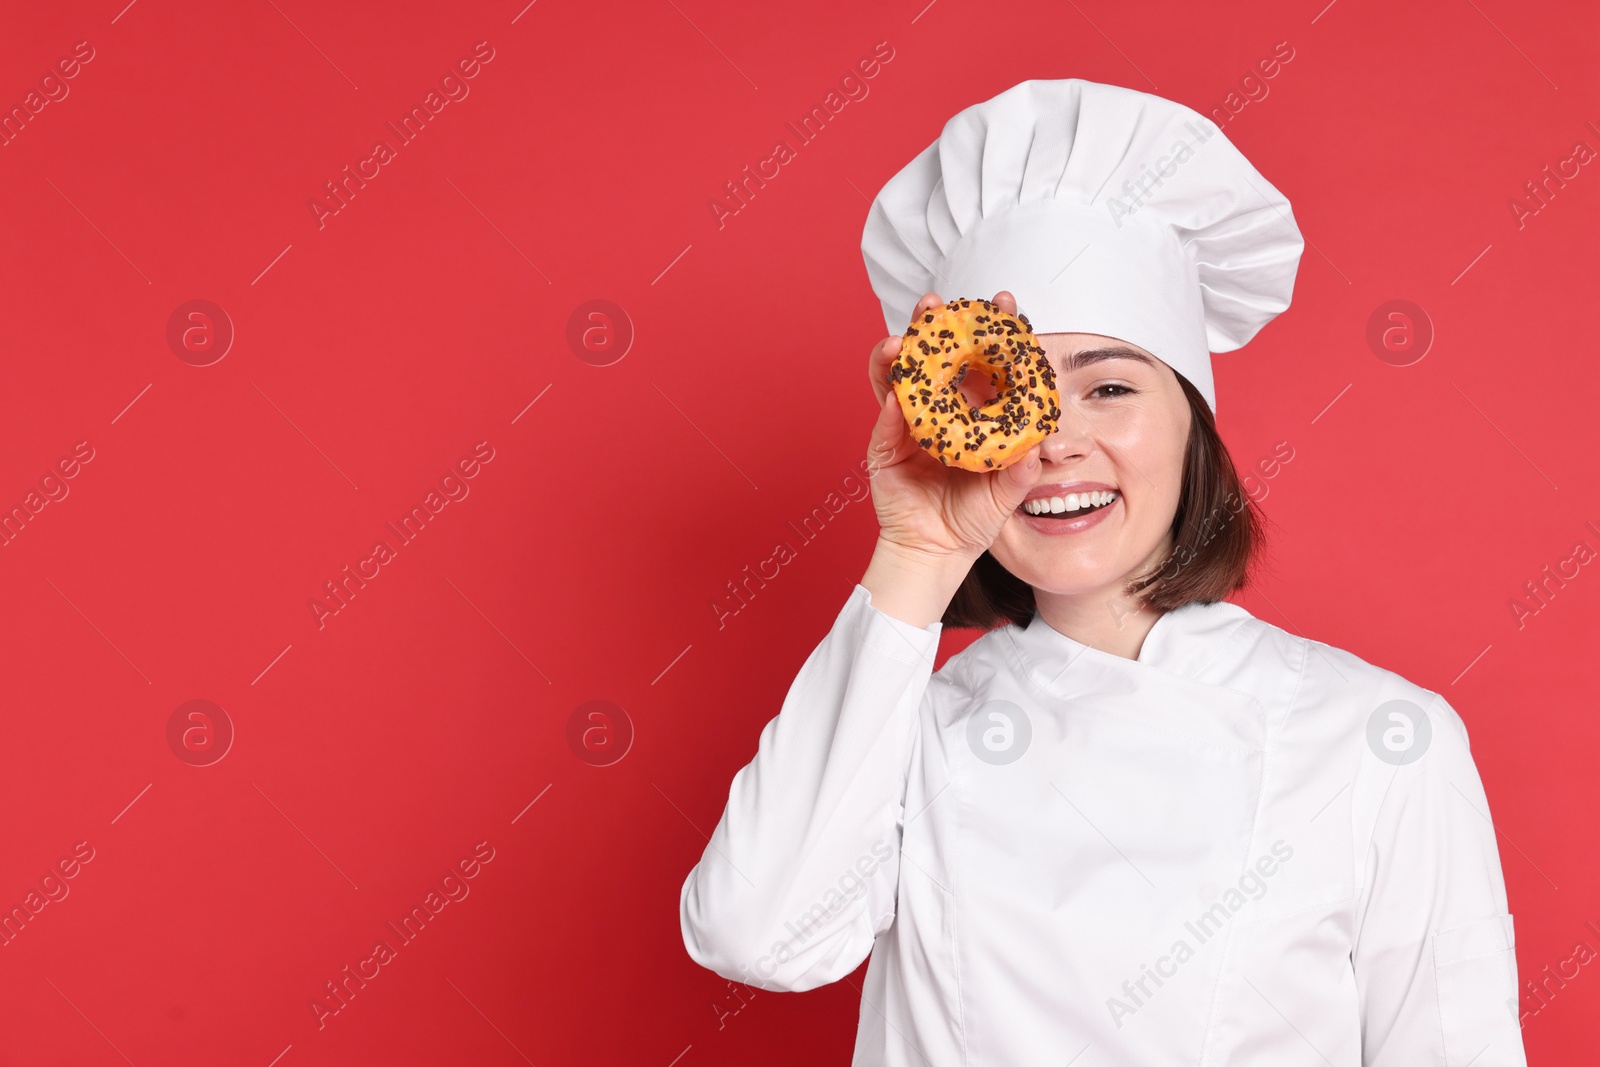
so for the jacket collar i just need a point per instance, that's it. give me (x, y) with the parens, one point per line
(1183, 642)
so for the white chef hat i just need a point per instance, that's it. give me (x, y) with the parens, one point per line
(1103, 210)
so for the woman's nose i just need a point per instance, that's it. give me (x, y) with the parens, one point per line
(1072, 437)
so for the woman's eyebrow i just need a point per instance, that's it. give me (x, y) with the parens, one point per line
(1093, 355)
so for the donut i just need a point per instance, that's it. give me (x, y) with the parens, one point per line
(941, 347)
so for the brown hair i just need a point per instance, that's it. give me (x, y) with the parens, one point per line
(1217, 532)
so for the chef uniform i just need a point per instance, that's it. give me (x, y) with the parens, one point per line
(1244, 848)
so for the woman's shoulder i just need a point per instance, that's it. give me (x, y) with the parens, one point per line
(1331, 684)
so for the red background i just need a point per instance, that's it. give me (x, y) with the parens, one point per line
(375, 350)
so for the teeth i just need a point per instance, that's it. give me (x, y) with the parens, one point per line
(1056, 505)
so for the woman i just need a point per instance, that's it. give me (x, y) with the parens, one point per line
(1131, 823)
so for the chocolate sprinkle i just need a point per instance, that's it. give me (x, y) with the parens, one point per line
(1008, 355)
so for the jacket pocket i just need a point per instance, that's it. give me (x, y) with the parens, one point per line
(1476, 970)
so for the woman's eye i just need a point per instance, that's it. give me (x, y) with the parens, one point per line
(1120, 390)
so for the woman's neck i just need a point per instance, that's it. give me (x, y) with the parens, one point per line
(1109, 620)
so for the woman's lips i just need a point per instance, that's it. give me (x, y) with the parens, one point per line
(1062, 524)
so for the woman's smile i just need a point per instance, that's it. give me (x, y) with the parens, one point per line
(1067, 507)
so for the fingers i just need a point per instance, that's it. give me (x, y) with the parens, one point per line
(883, 353)
(887, 351)
(1006, 301)
(891, 442)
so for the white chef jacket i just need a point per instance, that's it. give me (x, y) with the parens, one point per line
(1199, 856)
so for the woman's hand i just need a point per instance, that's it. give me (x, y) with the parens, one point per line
(938, 515)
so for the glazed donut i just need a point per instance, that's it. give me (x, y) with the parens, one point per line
(940, 348)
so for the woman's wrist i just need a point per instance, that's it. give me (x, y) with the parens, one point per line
(912, 585)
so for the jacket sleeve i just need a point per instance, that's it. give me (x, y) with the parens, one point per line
(1434, 958)
(800, 875)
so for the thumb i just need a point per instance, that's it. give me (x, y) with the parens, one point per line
(1013, 482)
(891, 440)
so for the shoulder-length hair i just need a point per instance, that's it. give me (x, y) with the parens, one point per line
(1217, 532)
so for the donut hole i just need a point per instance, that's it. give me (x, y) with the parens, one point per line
(976, 386)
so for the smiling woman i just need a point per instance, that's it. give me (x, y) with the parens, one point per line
(1102, 386)
(1070, 790)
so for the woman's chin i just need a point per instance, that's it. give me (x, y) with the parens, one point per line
(1074, 579)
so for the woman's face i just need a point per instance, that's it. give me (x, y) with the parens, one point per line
(1124, 428)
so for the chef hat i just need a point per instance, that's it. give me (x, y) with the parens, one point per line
(1103, 209)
